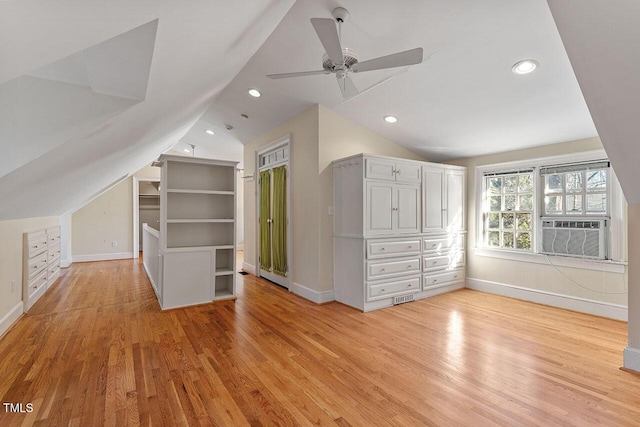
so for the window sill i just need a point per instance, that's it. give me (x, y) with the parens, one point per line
(617, 267)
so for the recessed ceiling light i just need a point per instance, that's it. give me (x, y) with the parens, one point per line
(525, 67)
(255, 93)
(390, 119)
(210, 132)
(186, 150)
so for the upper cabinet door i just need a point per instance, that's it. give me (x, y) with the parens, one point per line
(407, 208)
(408, 172)
(380, 208)
(434, 218)
(455, 185)
(380, 169)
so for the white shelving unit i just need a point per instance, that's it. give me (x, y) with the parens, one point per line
(197, 231)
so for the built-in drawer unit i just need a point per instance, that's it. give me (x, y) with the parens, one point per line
(376, 291)
(442, 279)
(36, 264)
(389, 268)
(443, 262)
(37, 282)
(54, 251)
(53, 235)
(395, 248)
(36, 243)
(41, 263)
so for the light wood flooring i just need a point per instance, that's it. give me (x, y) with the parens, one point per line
(96, 350)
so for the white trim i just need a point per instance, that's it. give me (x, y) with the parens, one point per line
(556, 261)
(102, 257)
(631, 357)
(150, 277)
(240, 247)
(11, 317)
(65, 263)
(584, 305)
(249, 268)
(311, 295)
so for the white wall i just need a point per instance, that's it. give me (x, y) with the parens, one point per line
(603, 286)
(11, 264)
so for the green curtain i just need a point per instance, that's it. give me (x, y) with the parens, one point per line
(280, 220)
(265, 214)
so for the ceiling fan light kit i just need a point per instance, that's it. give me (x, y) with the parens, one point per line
(342, 61)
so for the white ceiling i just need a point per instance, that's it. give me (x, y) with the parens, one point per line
(463, 100)
(94, 127)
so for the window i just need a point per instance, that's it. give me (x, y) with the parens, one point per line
(518, 197)
(576, 190)
(509, 208)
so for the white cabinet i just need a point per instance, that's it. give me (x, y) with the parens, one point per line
(41, 263)
(443, 198)
(397, 230)
(392, 208)
(197, 231)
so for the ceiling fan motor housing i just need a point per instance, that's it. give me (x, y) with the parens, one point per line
(350, 59)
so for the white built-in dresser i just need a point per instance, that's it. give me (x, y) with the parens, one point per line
(40, 263)
(398, 230)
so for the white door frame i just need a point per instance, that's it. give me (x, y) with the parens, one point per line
(136, 211)
(284, 141)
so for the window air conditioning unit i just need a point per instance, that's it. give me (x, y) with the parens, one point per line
(584, 238)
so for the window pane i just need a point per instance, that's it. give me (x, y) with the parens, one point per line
(596, 203)
(553, 204)
(596, 180)
(553, 183)
(508, 220)
(510, 202)
(523, 241)
(495, 203)
(507, 240)
(510, 184)
(525, 183)
(574, 203)
(524, 221)
(574, 182)
(494, 238)
(495, 185)
(494, 220)
(526, 202)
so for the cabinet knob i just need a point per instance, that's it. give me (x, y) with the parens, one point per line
(382, 249)
(455, 277)
(409, 266)
(435, 281)
(410, 247)
(409, 285)
(435, 262)
(382, 290)
(434, 245)
(381, 270)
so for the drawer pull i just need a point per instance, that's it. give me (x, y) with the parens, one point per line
(455, 277)
(409, 266)
(435, 262)
(382, 249)
(410, 247)
(434, 245)
(409, 285)
(382, 290)
(382, 270)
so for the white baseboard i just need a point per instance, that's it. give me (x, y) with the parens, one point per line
(598, 308)
(102, 257)
(149, 275)
(11, 317)
(64, 263)
(631, 358)
(249, 268)
(311, 295)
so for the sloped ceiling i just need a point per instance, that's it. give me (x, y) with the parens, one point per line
(114, 125)
(602, 39)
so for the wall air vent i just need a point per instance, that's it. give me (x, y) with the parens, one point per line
(401, 299)
(572, 237)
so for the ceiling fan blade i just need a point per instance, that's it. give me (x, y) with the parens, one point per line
(326, 30)
(347, 87)
(299, 74)
(400, 59)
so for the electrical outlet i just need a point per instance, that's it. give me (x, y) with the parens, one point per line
(13, 286)
(114, 243)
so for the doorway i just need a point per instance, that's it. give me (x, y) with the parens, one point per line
(146, 208)
(273, 195)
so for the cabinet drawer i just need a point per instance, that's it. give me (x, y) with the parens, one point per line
(443, 244)
(37, 264)
(381, 249)
(37, 243)
(380, 169)
(37, 282)
(382, 269)
(397, 287)
(437, 280)
(53, 234)
(448, 261)
(54, 251)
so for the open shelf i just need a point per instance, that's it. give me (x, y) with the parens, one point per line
(200, 206)
(184, 235)
(194, 176)
(184, 191)
(225, 261)
(197, 221)
(224, 287)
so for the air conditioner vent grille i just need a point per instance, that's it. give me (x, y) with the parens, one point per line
(585, 239)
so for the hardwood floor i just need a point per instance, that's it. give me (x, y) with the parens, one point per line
(96, 350)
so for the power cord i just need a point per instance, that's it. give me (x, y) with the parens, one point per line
(582, 286)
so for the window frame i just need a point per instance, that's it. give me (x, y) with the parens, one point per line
(616, 214)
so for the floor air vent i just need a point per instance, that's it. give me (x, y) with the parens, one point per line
(402, 299)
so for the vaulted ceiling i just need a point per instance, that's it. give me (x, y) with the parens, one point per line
(92, 91)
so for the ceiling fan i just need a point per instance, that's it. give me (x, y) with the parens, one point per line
(343, 61)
